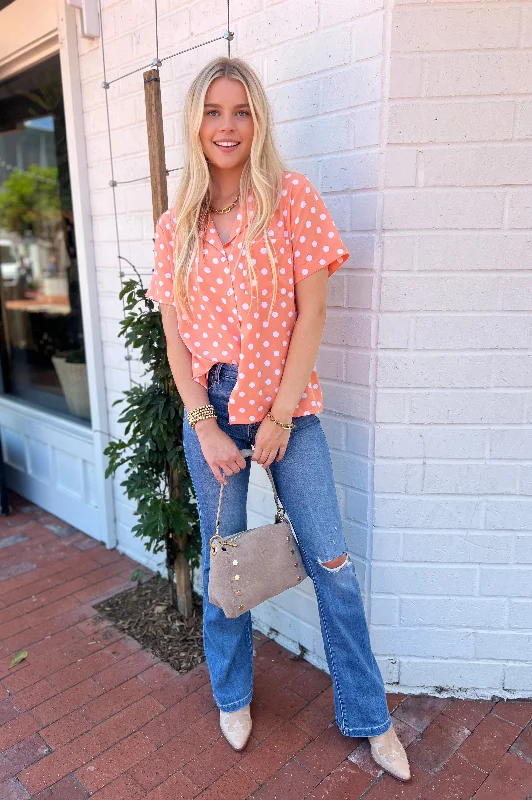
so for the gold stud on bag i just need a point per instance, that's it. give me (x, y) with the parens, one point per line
(251, 566)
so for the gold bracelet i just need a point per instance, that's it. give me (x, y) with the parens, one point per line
(287, 425)
(202, 412)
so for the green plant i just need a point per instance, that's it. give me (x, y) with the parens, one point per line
(137, 575)
(151, 452)
(30, 201)
(76, 356)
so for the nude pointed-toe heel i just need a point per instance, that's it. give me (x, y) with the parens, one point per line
(388, 752)
(236, 726)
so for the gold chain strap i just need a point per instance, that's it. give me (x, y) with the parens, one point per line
(280, 515)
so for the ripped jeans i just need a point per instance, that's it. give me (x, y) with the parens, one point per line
(305, 484)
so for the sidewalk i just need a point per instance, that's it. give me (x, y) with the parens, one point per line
(90, 714)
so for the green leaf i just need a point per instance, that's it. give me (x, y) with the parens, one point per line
(18, 658)
(150, 442)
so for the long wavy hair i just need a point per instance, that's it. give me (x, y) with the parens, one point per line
(261, 177)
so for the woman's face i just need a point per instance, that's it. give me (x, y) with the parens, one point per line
(226, 131)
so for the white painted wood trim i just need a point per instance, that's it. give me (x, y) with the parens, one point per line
(28, 434)
(26, 37)
(47, 419)
(90, 19)
(87, 271)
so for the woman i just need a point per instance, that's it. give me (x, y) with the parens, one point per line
(240, 275)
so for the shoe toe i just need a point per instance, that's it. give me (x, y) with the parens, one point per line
(388, 752)
(236, 727)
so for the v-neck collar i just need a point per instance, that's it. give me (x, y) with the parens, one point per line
(235, 229)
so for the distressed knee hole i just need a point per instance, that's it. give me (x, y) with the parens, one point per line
(335, 563)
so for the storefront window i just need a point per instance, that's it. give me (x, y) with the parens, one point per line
(42, 346)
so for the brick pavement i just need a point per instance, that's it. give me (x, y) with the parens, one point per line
(91, 714)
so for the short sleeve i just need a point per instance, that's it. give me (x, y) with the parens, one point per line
(161, 285)
(316, 242)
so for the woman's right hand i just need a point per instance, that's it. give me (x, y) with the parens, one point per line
(220, 452)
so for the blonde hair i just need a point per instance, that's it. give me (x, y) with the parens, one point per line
(262, 177)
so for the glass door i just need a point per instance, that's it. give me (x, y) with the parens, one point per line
(41, 345)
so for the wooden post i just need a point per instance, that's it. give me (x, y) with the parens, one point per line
(154, 122)
(182, 588)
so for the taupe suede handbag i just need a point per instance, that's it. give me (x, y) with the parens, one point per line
(251, 566)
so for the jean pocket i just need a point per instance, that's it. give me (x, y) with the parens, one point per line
(219, 398)
(222, 389)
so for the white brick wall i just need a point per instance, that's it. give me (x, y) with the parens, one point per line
(453, 507)
(414, 120)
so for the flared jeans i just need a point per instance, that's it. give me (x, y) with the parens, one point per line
(305, 485)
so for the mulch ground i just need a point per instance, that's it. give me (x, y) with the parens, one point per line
(146, 613)
(91, 713)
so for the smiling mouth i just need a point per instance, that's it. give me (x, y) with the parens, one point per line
(226, 145)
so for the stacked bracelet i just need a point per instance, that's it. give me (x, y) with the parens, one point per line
(202, 412)
(287, 425)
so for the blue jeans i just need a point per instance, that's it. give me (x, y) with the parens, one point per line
(305, 485)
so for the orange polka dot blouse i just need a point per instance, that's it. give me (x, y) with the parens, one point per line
(304, 239)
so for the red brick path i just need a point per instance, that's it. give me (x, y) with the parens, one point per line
(90, 714)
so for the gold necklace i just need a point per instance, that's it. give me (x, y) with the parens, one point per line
(225, 210)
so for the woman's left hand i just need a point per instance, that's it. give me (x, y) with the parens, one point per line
(270, 440)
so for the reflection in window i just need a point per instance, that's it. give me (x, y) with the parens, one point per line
(42, 353)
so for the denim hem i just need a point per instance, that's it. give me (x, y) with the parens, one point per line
(374, 730)
(237, 704)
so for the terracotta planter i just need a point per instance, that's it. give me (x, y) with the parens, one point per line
(74, 383)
